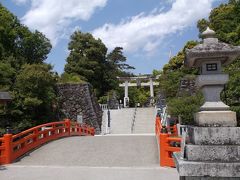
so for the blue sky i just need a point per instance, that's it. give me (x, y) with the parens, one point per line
(147, 29)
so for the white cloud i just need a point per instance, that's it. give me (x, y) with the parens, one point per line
(53, 17)
(147, 31)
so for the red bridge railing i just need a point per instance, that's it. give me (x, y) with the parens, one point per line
(14, 146)
(167, 142)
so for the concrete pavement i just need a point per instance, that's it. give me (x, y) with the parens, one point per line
(100, 151)
(14, 172)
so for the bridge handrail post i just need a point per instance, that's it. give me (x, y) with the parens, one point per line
(7, 139)
(68, 126)
(163, 152)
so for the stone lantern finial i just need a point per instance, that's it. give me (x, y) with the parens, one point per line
(209, 36)
(208, 33)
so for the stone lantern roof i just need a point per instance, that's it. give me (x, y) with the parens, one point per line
(211, 49)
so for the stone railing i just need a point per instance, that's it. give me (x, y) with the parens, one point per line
(103, 106)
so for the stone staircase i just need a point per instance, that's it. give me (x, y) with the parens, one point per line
(122, 119)
(145, 121)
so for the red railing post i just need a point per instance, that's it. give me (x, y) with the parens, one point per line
(68, 126)
(92, 131)
(163, 152)
(7, 139)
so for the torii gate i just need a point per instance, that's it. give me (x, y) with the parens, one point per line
(127, 83)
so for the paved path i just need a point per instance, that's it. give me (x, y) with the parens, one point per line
(125, 157)
(86, 173)
(110, 151)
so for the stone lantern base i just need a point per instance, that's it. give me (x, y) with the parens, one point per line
(210, 153)
(216, 118)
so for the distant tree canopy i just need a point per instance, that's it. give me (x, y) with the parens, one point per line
(88, 58)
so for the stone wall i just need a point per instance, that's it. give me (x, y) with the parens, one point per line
(76, 99)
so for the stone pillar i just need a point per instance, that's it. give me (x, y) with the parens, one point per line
(151, 88)
(126, 98)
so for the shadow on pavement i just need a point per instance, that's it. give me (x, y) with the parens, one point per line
(2, 168)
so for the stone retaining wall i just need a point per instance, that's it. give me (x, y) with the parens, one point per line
(76, 99)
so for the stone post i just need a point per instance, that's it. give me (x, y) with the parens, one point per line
(126, 98)
(210, 149)
(151, 88)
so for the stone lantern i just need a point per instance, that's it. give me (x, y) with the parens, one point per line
(210, 57)
(210, 149)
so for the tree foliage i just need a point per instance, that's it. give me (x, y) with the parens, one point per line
(34, 93)
(88, 58)
(70, 78)
(117, 60)
(225, 21)
(184, 107)
(174, 71)
(169, 83)
(18, 45)
(24, 74)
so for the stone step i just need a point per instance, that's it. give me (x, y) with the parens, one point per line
(206, 168)
(213, 135)
(121, 121)
(222, 153)
(144, 122)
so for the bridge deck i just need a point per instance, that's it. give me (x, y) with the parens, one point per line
(100, 157)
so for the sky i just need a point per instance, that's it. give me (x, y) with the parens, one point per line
(148, 30)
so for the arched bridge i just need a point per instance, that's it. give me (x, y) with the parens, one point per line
(87, 157)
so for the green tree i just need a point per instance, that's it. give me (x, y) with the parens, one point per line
(87, 58)
(7, 75)
(184, 107)
(34, 96)
(22, 53)
(169, 83)
(70, 78)
(18, 45)
(138, 95)
(174, 71)
(116, 66)
(118, 61)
